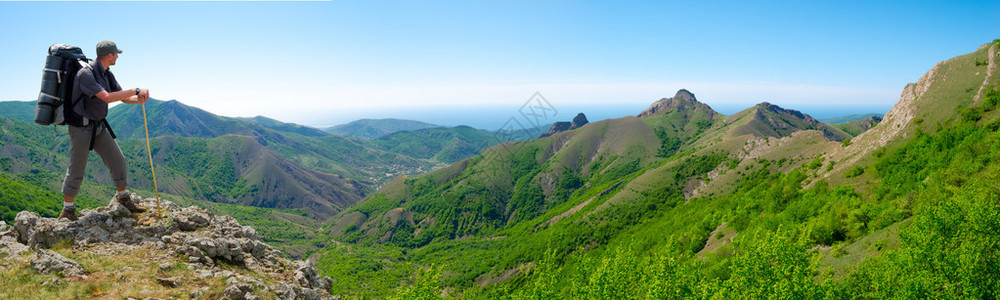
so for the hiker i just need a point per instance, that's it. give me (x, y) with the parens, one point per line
(93, 89)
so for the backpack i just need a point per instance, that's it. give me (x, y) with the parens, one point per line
(55, 103)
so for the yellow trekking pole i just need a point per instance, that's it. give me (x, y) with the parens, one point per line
(149, 151)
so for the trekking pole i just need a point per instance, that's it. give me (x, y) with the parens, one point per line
(149, 151)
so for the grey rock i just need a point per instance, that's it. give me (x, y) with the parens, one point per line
(309, 294)
(166, 266)
(236, 292)
(196, 294)
(191, 218)
(305, 274)
(326, 283)
(170, 282)
(48, 261)
(11, 247)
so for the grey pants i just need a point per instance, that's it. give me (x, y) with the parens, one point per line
(79, 150)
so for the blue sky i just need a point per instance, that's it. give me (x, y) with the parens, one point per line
(476, 62)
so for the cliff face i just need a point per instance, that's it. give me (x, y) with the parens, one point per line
(187, 251)
(558, 127)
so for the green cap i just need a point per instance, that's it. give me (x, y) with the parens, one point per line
(107, 47)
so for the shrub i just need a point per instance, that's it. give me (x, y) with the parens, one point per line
(855, 172)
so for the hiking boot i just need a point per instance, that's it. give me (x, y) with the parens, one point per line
(69, 213)
(125, 199)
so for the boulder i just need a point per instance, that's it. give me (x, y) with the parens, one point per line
(558, 127)
(170, 282)
(48, 261)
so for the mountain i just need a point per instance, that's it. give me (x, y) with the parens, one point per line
(304, 146)
(558, 127)
(285, 127)
(768, 120)
(374, 128)
(856, 127)
(440, 144)
(18, 110)
(173, 118)
(684, 202)
(682, 102)
(257, 162)
(188, 252)
(239, 170)
(849, 118)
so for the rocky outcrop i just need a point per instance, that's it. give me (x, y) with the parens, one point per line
(869, 122)
(202, 237)
(683, 101)
(48, 261)
(558, 127)
(769, 120)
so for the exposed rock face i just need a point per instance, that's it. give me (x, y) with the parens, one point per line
(682, 101)
(558, 127)
(869, 122)
(769, 120)
(201, 236)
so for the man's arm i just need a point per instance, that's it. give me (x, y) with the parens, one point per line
(125, 96)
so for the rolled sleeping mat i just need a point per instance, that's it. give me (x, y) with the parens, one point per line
(45, 109)
(50, 82)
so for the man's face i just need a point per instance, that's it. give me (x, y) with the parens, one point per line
(114, 59)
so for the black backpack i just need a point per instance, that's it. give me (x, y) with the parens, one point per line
(55, 103)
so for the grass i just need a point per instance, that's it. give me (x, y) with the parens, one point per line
(130, 272)
(850, 255)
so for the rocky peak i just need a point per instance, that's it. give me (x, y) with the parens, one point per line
(558, 127)
(683, 101)
(791, 112)
(579, 120)
(684, 94)
(182, 236)
(771, 120)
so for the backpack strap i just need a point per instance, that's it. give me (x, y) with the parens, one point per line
(93, 135)
(108, 126)
(93, 132)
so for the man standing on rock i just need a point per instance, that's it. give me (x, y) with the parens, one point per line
(94, 88)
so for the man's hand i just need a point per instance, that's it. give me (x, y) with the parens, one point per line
(143, 95)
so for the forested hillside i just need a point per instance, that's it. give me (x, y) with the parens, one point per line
(677, 201)
(685, 202)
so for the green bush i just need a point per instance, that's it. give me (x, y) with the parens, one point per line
(855, 172)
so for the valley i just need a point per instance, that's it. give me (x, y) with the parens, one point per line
(676, 201)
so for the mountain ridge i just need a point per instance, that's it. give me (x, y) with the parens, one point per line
(374, 128)
(586, 193)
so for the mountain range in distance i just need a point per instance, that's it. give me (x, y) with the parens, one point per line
(374, 151)
(759, 202)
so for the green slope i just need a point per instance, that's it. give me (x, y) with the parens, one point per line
(18, 110)
(441, 144)
(306, 147)
(599, 212)
(849, 118)
(375, 128)
(854, 128)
